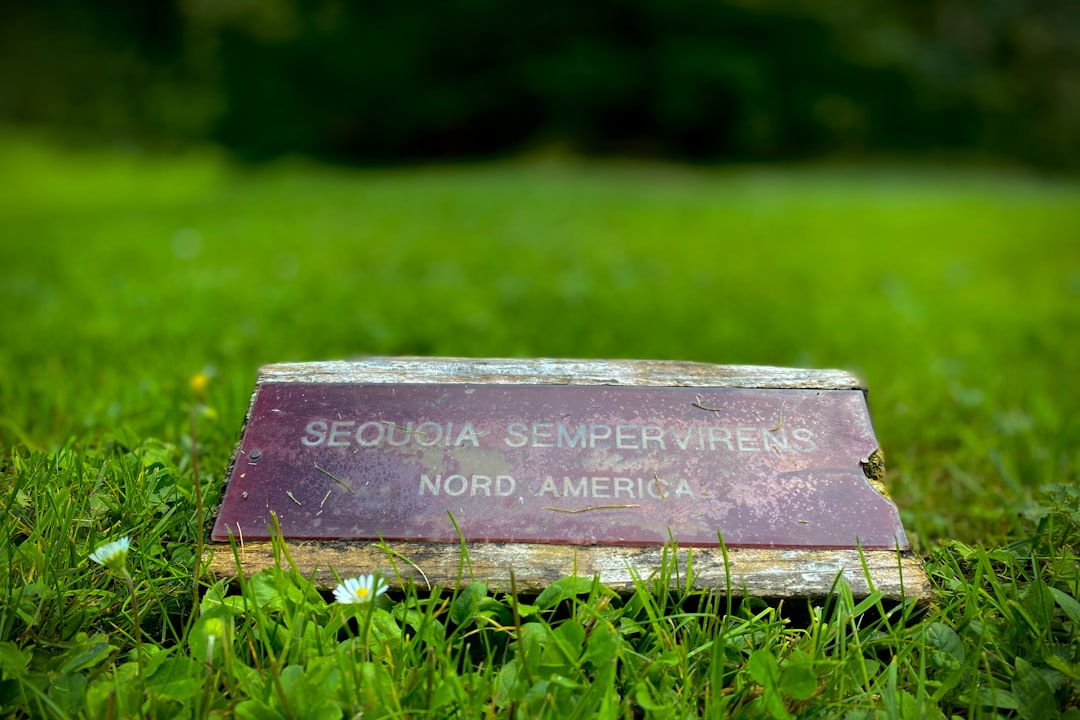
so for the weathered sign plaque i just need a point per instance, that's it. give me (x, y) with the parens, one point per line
(548, 467)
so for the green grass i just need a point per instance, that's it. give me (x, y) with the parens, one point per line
(955, 294)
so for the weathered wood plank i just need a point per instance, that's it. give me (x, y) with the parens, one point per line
(753, 572)
(638, 373)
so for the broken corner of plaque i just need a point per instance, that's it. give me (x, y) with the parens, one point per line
(770, 478)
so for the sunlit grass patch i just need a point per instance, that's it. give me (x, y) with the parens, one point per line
(139, 294)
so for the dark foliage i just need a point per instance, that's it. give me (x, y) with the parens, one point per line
(695, 79)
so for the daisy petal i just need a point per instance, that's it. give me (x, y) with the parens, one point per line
(358, 590)
(112, 555)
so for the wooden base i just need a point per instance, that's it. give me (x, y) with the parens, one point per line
(755, 569)
(767, 573)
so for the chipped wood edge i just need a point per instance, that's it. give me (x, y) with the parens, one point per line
(540, 371)
(754, 572)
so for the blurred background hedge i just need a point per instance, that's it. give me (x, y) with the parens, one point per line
(709, 80)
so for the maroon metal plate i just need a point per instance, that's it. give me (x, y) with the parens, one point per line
(580, 465)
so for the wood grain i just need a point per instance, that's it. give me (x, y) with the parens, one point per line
(639, 373)
(770, 573)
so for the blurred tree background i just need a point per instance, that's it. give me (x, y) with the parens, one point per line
(706, 80)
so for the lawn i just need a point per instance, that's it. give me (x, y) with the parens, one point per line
(955, 293)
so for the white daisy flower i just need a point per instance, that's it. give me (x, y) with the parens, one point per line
(363, 589)
(112, 555)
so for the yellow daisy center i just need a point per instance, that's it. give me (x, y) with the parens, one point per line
(361, 592)
(199, 382)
